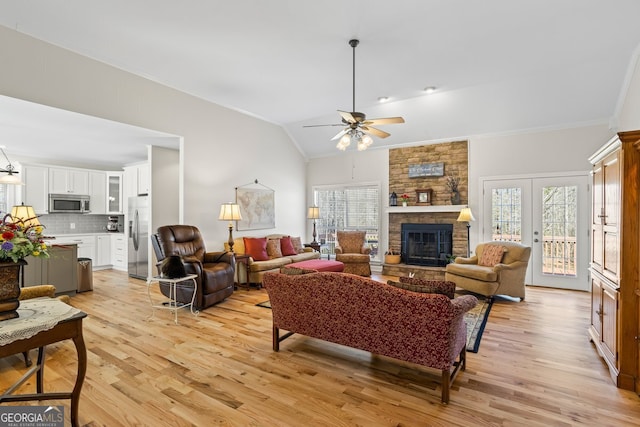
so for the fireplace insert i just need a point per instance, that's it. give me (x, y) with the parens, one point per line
(426, 244)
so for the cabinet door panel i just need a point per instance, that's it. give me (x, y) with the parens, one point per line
(610, 322)
(596, 305)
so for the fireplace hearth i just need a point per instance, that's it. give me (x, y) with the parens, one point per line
(426, 244)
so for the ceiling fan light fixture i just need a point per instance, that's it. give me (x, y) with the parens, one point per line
(364, 142)
(344, 142)
(383, 99)
(429, 89)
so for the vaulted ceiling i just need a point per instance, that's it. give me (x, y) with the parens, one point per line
(498, 65)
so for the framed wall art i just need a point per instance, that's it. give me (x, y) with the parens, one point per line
(423, 197)
(257, 207)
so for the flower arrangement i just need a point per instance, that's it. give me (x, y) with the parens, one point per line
(404, 197)
(18, 240)
(452, 183)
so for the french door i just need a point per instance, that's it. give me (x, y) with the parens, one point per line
(549, 214)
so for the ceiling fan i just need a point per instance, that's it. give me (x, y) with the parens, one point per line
(358, 128)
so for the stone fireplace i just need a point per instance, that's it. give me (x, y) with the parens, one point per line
(426, 244)
(439, 212)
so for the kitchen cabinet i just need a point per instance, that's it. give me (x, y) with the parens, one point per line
(86, 244)
(98, 192)
(59, 270)
(137, 180)
(114, 193)
(615, 244)
(103, 251)
(68, 181)
(119, 251)
(36, 188)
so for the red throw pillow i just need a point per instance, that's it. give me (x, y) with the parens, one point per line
(287, 247)
(491, 255)
(256, 248)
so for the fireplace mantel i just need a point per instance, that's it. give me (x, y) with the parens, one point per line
(419, 209)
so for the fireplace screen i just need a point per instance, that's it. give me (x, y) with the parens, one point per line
(426, 244)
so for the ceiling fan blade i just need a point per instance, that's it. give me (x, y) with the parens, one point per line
(373, 131)
(339, 135)
(317, 126)
(384, 121)
(347, 117)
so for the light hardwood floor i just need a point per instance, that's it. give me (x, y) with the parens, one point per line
(535, 367)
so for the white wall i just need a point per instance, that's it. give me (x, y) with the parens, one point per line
(630, 113)
(222, 148)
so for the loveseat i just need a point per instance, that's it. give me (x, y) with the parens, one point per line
(272, 259)
(497, 268)
(423, 328)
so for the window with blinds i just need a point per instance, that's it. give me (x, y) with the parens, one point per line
(3, 199)
(348, 208)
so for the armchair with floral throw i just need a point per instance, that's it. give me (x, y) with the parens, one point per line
(497, 268)
(351, 250)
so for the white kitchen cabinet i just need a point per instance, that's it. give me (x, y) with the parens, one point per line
(36, 188)
(144, 179)
(137, 180)
(103, 251)
(98, 192)
(119, 251)
(68, 181)
(114, 193)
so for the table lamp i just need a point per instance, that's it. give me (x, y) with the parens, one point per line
(25, 215)
(467, 216)
(313, 213)
(230, 212)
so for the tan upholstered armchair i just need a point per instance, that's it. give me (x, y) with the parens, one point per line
(497, 268)
(352, 251)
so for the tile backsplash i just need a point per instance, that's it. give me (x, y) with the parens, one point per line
(61, 223)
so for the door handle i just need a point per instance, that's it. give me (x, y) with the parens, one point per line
(536, 240)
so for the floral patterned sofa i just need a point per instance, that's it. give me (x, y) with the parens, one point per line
(423, 328)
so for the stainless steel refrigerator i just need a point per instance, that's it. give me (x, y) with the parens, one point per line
(138, 242)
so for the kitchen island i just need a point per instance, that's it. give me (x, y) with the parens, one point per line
(59, 270)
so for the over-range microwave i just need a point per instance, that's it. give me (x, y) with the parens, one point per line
(68, 203)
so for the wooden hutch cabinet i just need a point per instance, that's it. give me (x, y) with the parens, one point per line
(615, 255)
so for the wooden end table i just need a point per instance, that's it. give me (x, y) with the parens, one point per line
(244, 260)
(70, 328)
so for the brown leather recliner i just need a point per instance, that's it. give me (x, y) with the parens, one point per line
(215, 270)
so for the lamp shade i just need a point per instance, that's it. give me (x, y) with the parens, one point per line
(11, 178)
(230, 212)
(466, 215)
(24, 214)
(313, 212)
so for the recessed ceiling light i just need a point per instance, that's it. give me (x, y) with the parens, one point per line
(430, 89)
(383, 99)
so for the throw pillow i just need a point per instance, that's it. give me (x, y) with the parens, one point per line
(296, 270)
(424, 289)
(286, 246)
(491, 255)
(297, 244)
(273, 248)
(256, 248)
